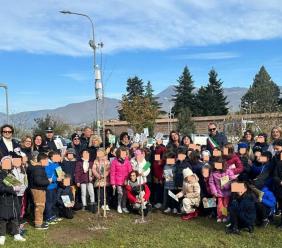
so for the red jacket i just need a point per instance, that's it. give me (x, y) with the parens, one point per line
(158, 166)
(237, 162)
(132, 198)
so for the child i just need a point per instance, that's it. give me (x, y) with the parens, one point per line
(242, 211)
(244, 155)
(64, 191)
(139, 163)
(169, 183)
(218, 189)
(101, 171)
(120, 168)
(9, 205)
(38, 184)
(233, 161)
(83, 179)
(191, 193)
(137, 194)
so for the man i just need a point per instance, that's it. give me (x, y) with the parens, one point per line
(85, 137)
(50, 144)
(215, 138)
(7, 143)
(77, 145)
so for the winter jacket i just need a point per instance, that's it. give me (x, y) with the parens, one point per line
(220, 139)
(27, 152)
(179, 167)
(268, 199)
(69, 168)
(119, 171)
(215, 186)
(264, 146)
(132, 198)
(9, 204)
(191, 191)
(64, 190)
(205, 187)
(277, 178)
(143, 167)
(3, 149)
(81, 176)
(22, 177)
(50, 143)
(260, 175)
(50, 170)
(158, 166)
(234, 160)
(169, 176)
(197, 168)
(38, 178)
(77, 148)
(101, 173)
(244, 175)
(93, 153)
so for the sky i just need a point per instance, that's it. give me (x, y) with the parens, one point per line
(47, 62)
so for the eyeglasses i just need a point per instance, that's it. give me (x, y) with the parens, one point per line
(7, 131)
(212, 129)
(28, 141)
(76, 139)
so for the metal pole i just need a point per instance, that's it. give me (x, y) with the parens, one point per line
(5, 86)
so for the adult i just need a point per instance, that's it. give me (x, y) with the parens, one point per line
(26, 146)
(215, 139)
(248, 138)
(108, 132)
(85, 136)
(261, 141)
(186, 141)
(124, 140)
(38, 144)
(276, 134)
(95, 143)
(77, 145)
(50, 143)
(7, 143)
(174, 141)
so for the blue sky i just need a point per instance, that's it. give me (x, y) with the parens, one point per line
(47, 62)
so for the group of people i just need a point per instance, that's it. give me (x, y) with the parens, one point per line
(240, 184)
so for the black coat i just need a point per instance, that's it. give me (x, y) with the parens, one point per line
(180, 166)
(277, 179)
(69, 168)
(3, 149)
(9, 204)
(64, 191)
(220, 139)
(37, 178)
(51, 145)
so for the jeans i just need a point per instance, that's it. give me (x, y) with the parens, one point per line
(50, 206)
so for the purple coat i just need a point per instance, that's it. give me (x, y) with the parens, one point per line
(119, 172)
(214, 182)
(80, 176)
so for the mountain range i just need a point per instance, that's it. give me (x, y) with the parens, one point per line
(84, 112)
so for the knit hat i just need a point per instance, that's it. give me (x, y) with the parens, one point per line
(277, 142)
(242, 145)
(187, 172)
(267, 154)
(71, 151)
(257, 149)
(74, 135)
(4, 158)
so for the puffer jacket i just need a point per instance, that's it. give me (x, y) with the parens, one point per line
(143, 167)
(192, 190)
(119, 171)
(101, 171)
(215, 186)
(158, 166)
(235, 160)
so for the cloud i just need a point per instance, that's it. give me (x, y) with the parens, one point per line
(208, 56)
(76, 76)
(38, 27)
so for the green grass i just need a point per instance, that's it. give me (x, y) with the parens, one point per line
(160, 231)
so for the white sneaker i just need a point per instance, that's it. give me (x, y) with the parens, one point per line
(224, 220)
(102, 207)
(18, 237)
(158, 205)
(119, 210)
(2, 240)
(167, 211)
(219, 220)
(107, 208)
(174, 211)
(125, 210)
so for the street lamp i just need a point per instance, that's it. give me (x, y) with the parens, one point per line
(97, 73)
(5, 86)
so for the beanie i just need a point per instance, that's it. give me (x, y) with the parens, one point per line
(187, 172)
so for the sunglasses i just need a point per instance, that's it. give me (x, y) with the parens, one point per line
(76, 139)
(7, 131)
(212, 129)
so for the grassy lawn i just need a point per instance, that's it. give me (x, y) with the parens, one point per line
(160, 231)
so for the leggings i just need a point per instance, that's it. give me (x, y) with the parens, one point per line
(87, 187)
(122, 197)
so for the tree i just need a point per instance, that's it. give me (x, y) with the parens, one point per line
(184, 96)
(211, 99)
(149, 93)
(59, 127)
(185, 123)
(262, 96)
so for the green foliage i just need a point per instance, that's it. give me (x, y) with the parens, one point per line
(211, 99)
(135, 87)
(184, 93)
(185, 123)
(59, 127)
(262, 96)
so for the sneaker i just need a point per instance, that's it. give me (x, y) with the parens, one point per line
(52, 222)
(125, 210)
(58, 219)
(2, 240)
(224, 220)
(44, 226)
(232, 231)
(119, 210)
(167, 211)
(158, 205)
(107, 208)
(218, 220)
(18, 237)
(174, 211)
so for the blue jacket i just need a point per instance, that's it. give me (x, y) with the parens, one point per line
(268, 199)
(261, 175)
(50, 170)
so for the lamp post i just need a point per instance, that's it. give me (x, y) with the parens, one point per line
(97, 73)
(5, 86)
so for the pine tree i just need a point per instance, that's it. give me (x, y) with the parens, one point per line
(149, 93)
(135, 87)
(211, 99)
(262, 96)
(185, 123)
(184, 93)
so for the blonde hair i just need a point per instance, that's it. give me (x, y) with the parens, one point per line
(279, 130)
(24, 138)
(95, 137)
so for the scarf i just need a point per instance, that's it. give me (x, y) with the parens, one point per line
(85, 165)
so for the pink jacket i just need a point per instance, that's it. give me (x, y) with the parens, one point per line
(119, 171)
(215, 186)
(235, 160)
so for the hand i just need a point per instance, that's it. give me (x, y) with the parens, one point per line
(17, 188)
(114, 187)
(78, 185)
(50, 180)
(205, 199)
(59, 179)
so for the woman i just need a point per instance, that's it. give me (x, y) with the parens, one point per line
(108, 143)
(124, 140)
(38, 144)
(276, 133)
(26, 146)
(174, 141)
(248, 138)
(95, 143)
(77, 145)
(186, 141)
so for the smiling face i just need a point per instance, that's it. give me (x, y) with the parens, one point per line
(186, 141)
(38, 140)
(27, 142)
(133, 177)
(275, 134)
(212, 129)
